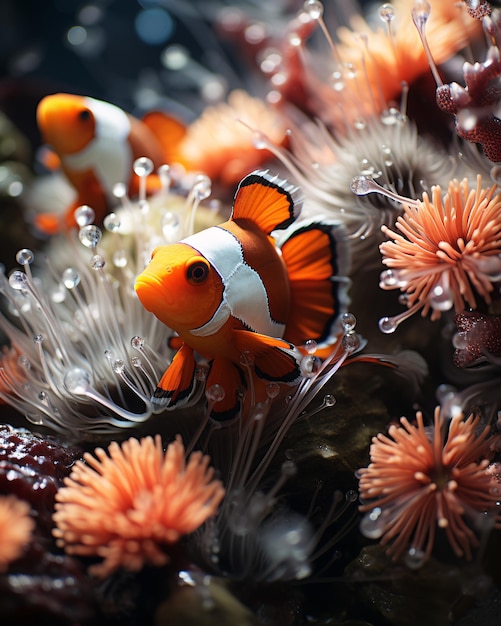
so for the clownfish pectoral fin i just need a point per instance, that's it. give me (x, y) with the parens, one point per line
(178, 381)
(49, 159)
(270, 202)
(273, 360)
(225, 376)
(169, 132)
(317, 261)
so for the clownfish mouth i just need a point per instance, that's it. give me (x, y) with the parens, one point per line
(150, 292)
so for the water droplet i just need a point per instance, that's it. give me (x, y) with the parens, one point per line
(71, 278)
(359, 124)
(247, 359)
(314, 8)
(137, 342)
(164, 175)
(215, 393)
(386, 13)
(90, 235)
(351, 496)
(310, 365)
(170, 226)
(143, 166)
(136, 361)
(97, 262)
(310, 345)
(272, 390)
(77, 381)
(38, 339)
(112, 223)
(118, 366)
(120, 258)
(387, 325)
(441, 298)
(420, 13)
(350, 341)
(329, 400)
(202, 187)
(348, 321)
(460, 341)
(120, 190)
(18, 280)
(373, 524)
(414, 558)
(361, 185)
(84, 215)
(337, 81)
(388, 279)
(25, 256)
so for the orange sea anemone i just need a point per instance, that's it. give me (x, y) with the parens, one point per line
(418, 480)
(221, 146)
(448, 254)
(128, 503)
(16, 527)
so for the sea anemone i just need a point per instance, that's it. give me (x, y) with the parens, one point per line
(448, 252)
(421, 478)
(85, 356)
(127, 504)
(16, 527)
(219, 142)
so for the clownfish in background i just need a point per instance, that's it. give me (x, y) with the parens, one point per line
(96, 144)
(235, 289)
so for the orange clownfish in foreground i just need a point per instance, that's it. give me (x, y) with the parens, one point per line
(234, 290)
(96, 144)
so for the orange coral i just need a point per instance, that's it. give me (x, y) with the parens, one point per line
(125, 505)
(417, 481)
(16, 527)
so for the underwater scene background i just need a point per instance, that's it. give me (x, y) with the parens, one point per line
(250, 312)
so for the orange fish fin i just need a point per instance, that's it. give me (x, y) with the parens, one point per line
(49, 159)
(169, 132)
(178, 381)
(317, 261)
(270, 202)
(48, 223)
(231, 379)
(274, 360)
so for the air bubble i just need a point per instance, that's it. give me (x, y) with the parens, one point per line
(314, 8)
(215, 393)
(388, 279)
(90, 235)
(84, 215)
(18, 280)
(143, 167)
(71, 278)
(120, 190)
(25, 256)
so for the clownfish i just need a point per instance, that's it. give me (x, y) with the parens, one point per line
(96, 143)
(241, 288)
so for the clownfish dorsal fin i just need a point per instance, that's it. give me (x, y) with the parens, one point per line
(269, 201)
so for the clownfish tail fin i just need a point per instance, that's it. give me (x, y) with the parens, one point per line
(269, 201)
(316, 255)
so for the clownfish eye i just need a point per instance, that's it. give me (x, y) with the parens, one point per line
(84, 115)
(197, 271)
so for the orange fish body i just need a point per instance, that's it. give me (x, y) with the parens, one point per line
(242, 302)
(96, 144)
